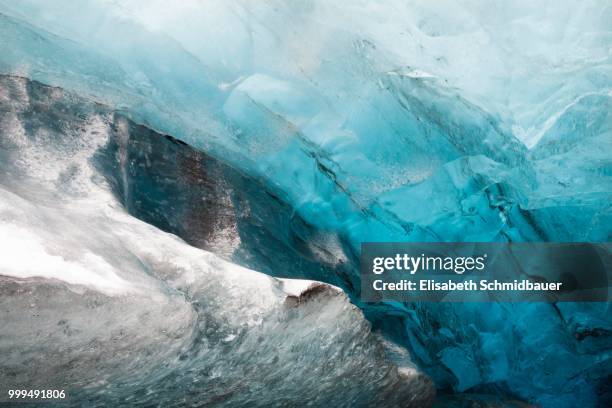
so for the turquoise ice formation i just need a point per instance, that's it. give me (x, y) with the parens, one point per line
(328, 124)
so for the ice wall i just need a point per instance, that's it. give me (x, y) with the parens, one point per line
(115, 311)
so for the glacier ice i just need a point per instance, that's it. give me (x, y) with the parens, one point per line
(332, 124)
(116, 311)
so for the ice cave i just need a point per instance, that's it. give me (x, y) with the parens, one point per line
(185, 187)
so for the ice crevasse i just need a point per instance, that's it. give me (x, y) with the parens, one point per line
(335, 124)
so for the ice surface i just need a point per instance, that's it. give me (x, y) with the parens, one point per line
(402, 121)
(116, 311)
